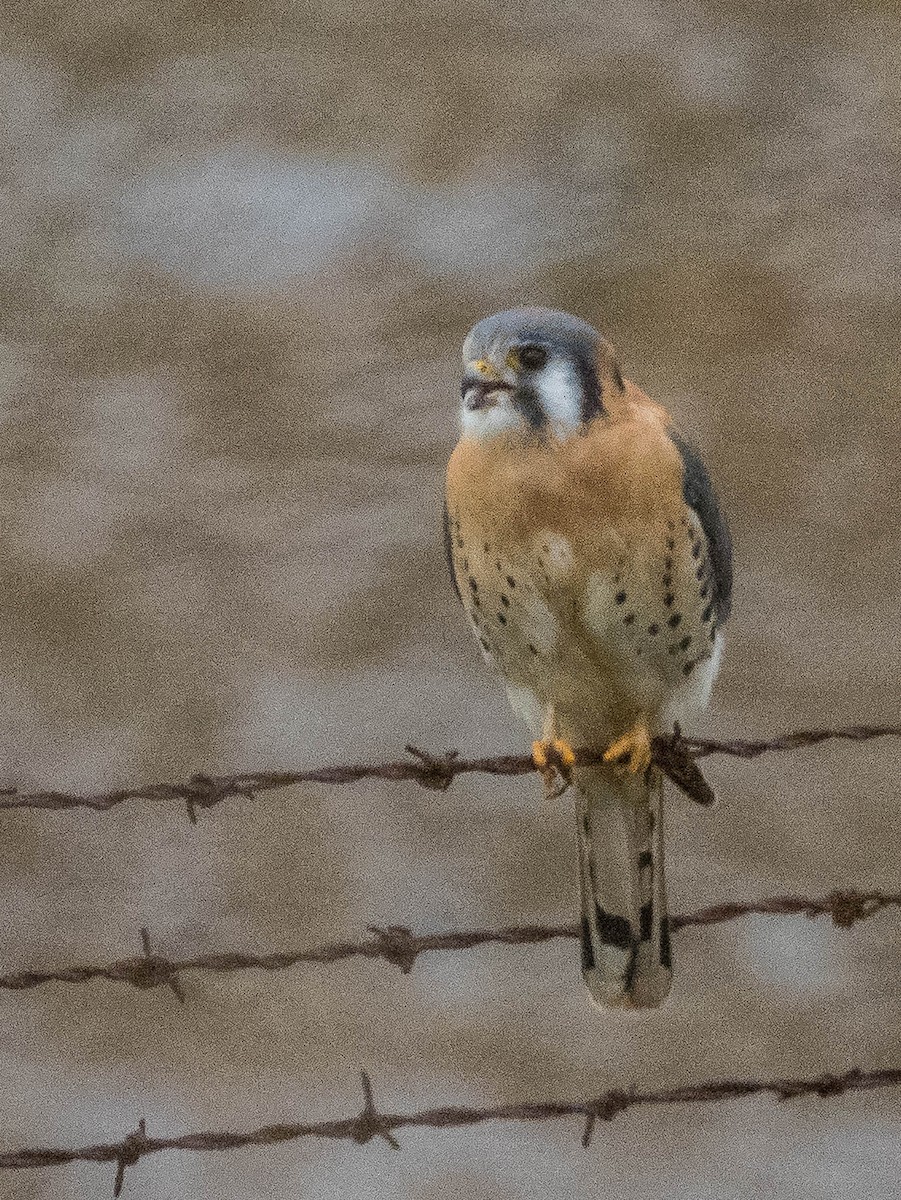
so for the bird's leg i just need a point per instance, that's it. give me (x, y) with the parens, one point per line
(553, 756)
(631, 753)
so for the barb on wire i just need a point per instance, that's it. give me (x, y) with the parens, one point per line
(675, 755)
(371, 1122)
(398, 945)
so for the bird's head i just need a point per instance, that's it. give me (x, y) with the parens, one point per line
(535, 371)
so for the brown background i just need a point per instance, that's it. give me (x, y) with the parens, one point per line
(239, 250)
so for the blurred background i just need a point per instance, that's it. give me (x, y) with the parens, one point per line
(239, 251)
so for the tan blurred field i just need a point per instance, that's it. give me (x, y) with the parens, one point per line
(240, 248)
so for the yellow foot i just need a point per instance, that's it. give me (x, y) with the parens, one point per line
(553, 757)
(632, 752)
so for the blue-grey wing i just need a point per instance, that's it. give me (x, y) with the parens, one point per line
(699, 494)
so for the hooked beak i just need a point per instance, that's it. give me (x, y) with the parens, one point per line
(481, 385)
(482, 393)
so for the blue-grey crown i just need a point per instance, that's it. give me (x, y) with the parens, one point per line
(558, 330)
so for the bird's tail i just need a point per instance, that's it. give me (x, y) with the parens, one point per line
(625, 927)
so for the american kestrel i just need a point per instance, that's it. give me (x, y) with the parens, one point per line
(594, 563)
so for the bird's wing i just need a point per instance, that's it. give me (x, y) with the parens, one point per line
(699, 494)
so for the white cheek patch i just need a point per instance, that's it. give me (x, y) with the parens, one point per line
(560, 394)
(481, 423)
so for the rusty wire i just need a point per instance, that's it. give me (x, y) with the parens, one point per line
(676, 755)
(398, 945)
(372, 1123)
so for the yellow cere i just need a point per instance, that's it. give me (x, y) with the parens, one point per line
(485, 368)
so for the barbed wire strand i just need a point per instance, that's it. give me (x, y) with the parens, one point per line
(398, 945)
(372, 1123)
(675, 755)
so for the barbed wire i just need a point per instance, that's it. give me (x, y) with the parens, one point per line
(398, 945)
(676, 755)
(372, 1123)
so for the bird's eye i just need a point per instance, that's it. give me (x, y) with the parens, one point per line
(532, 356)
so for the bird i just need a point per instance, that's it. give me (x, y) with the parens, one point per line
(593, 560)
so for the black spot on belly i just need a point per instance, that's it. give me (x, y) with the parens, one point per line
(675, 620)
(511, 582)
(654, 629)
(689, 667)
(696, 550)
(485, 644)
(669, 599)
(502, 618)
(629, 619)
(685, 643)
(505, 600)
(620, 597)
(707, 613)
(533, 648)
